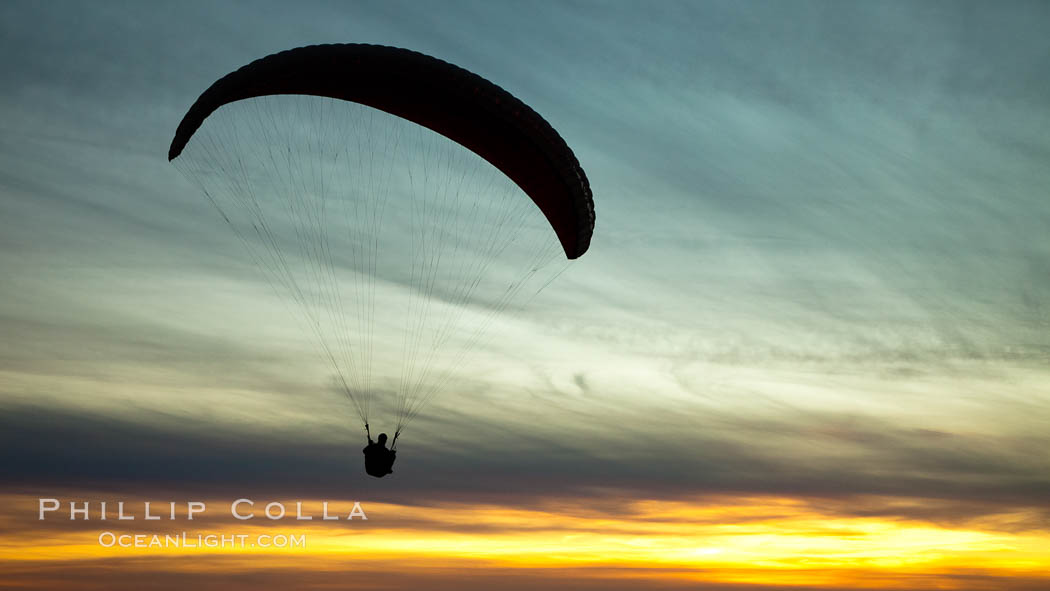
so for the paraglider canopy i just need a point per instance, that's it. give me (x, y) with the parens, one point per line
(399, 204)
(452, 101)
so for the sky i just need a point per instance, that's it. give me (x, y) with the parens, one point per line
(808, 347)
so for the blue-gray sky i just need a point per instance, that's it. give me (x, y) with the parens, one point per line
(820, 265)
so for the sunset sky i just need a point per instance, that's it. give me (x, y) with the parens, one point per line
(809, 347)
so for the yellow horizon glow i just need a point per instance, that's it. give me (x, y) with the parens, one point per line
(750, 540)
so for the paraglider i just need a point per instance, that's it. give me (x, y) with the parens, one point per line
(379, 460)
(400, 203)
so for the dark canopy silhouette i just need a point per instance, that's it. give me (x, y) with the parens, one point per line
(452, 101)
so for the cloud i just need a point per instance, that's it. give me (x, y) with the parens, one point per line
(461, 460)
(819, 267)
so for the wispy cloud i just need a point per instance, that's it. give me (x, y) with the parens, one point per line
(820, 269)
